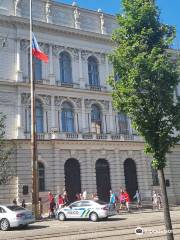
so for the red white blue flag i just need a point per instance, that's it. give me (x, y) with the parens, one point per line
(36, 52)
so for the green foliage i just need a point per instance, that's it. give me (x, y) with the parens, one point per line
(5, 169)
(148, 77)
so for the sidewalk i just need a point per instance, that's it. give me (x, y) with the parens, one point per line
(147, 207)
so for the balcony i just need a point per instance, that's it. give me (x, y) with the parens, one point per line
(37, 81)
(96, 88)
(67, 85)
(85, 136)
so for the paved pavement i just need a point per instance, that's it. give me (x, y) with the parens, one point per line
(121, 226)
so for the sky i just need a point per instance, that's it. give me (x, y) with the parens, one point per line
(170, 10)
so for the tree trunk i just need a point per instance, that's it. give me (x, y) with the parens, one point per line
(167, 217)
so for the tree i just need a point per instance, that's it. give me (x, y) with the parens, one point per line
(145, 89)
(5, 169)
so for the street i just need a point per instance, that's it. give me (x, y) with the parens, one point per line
(123, 225)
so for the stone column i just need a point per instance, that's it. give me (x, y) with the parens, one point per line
(90, 173)
(75, 121)
(51, 74)
(18, 63)
(53, 123)
(20, 129)
(111, 125)
(107, 65)
(83, 116)
(81, 79)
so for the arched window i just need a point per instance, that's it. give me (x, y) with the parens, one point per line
(41, 174)
(93, 71)
(67, 117)
(39, 116)
(155, 178)
(96, 119)
(65, 68)
(37, 68)
(123, 124)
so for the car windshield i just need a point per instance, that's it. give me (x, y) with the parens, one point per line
(101, 202)
(15, 208)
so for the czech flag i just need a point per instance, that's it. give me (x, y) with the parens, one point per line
(36, 52)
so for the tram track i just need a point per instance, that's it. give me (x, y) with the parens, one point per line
(107, 232)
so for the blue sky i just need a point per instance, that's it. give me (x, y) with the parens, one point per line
(170, 10)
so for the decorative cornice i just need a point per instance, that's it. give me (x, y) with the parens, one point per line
(59, 99)
(47, 27)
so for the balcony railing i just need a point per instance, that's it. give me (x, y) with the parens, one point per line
(37, 81)
(85, 136)
(96, 88)
(67, 85)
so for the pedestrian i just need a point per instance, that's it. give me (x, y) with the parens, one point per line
(51, 204)
(40, 207)
(95, 197)
(77, 197)
(122, 199)
(52, 207)
(137, 196)
(112, 200)
(84, 194)
(127, 200)
(159, 201)
(15, 202)
(60, 201)
(65, 197)
(155, 200)
(23, 204)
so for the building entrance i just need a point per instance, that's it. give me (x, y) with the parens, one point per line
(130, 177)
(103, 179)
(72, 178)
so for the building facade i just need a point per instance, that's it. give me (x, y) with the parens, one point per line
(83, 143)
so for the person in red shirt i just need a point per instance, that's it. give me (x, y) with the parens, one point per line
(60, 201)
(51, 204)
(127, 199)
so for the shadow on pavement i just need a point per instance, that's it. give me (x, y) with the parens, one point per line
(30, 227)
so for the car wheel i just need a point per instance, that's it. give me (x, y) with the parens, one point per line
(25, 226)
(61, 216)
(93, 217)
(4, 225)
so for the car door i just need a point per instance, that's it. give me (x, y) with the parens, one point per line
(85, 208)
(74, 210)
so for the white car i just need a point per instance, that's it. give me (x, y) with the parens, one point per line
(85, 209)
(14, 216)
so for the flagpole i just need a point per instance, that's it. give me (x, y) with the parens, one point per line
(35, 193)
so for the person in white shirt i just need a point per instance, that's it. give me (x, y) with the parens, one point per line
(84, 195)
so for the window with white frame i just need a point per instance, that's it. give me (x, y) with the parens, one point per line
(65, 68)
(93, 71)
(123, 123)
(67, 117)
(96, 119)
(39, 117)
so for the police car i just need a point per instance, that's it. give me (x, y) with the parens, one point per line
(85, 209)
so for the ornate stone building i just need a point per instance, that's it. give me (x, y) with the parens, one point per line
(83, 143)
